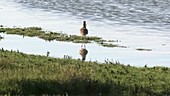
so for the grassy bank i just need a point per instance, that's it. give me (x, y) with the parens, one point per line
(24, 74)
(50, 36)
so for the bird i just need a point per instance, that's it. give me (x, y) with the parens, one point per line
(83, 30)
(83, 52)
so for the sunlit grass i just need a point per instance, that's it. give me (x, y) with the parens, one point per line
(23, 74)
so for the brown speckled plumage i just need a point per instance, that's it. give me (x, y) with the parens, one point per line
(83, 30)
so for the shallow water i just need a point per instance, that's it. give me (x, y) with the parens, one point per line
(124, 23)
(33, 45)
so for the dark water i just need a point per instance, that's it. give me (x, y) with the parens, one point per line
(148, 13)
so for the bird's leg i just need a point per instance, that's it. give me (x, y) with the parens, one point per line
(81, 37)
(84, 37)
(84, 40)
(84, 46)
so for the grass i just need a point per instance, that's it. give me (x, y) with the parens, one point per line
(50, 36)
(23, 74)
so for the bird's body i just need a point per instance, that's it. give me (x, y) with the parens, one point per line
(48, 53)
(83, 53)
(83, 30)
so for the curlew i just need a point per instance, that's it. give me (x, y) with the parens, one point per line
(83, 30)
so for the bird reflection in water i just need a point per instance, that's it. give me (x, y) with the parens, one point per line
(83, 52)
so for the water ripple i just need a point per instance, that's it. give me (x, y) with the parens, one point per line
(145, 12)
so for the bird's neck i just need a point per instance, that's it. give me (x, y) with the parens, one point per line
(84, 25)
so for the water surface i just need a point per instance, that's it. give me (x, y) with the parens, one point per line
(136, 23)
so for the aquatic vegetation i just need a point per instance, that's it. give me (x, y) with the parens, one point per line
(142, 49)
(50, 36)
(46, 35)
(109, 45)
(23, 74)
(113, 41)
(81, 41)
(112, 45)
